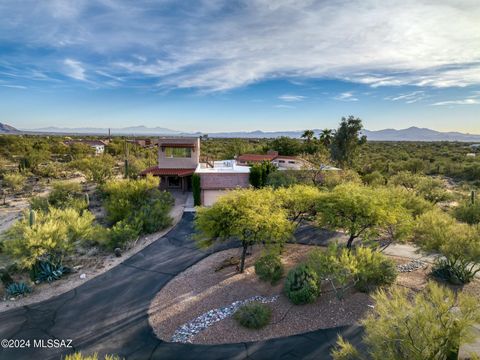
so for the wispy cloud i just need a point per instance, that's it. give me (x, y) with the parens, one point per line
(74, 69)
(14, 86)
(468, 101)
(409, 98)
(291, 98)
(346, 96)
(221, 45)
(283, 106)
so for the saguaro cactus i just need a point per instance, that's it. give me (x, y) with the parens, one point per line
(32, 217)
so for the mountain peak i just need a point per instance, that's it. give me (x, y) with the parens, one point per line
(7, 129)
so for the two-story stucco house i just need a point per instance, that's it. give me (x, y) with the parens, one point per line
(178, 157)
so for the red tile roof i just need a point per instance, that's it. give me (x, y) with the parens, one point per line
(154, 170)
(256, 157)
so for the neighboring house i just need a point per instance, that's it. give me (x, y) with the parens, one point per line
(281, 161)
(178, 157)
(471, 155)
(98, 145)
(223, 176)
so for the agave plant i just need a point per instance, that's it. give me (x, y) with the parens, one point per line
(17, 289)
(47, 271)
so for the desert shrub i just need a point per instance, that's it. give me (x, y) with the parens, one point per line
(138, 202)
(63, 195)
(52, 236)
(96, 169)
(365, 268)
(121, 233)
(375, 178)
(430, 325)
(373, 269)
(468, 213)
(79, 356)
(269, 268)
(67, 194)
(301, 285)
(456, 245)
(17, 289)
(39, 203)
(254, 315)
(11, 183)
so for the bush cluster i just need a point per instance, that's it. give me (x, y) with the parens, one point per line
(253, 315)
(363, 267)
(135, 207)
(269, 268)
(63, 195)
(301, 285)
(52, 236)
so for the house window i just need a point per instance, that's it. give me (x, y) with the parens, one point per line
(178, 152)
(281, 161)
(291, 162)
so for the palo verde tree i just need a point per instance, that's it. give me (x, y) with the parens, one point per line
(300, 201)
(347, 140)
(251, 216)
(432, 325)
(358, 210)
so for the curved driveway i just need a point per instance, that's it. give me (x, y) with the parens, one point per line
(108, 314)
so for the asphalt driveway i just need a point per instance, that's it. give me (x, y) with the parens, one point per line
(108, 314)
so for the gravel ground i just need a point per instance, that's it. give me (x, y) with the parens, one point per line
(200, 288)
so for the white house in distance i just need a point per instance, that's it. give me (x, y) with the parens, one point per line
(98, 145)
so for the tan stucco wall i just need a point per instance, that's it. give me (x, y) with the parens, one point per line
(179, 163)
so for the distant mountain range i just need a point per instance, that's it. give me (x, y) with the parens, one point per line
(7, 129)
(410, 134)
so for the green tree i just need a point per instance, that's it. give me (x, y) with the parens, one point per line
(251, 216)
(430, 326)
(97, 169)
(308, 135)
(259, 173)
(299, 201)
(358, 210)
(347, 140)
(287, 146)
(326, 137)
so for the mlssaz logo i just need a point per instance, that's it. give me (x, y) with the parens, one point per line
(52, 343)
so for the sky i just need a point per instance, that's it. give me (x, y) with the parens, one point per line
(227, 65)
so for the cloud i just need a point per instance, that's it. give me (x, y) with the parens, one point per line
(74, 69)
(283, 106)
(468, 101)
(14, 86)
(408, 98)
(291, 98)
(225, 44)
(346, 96)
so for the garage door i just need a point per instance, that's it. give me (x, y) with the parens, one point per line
(211, 196)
